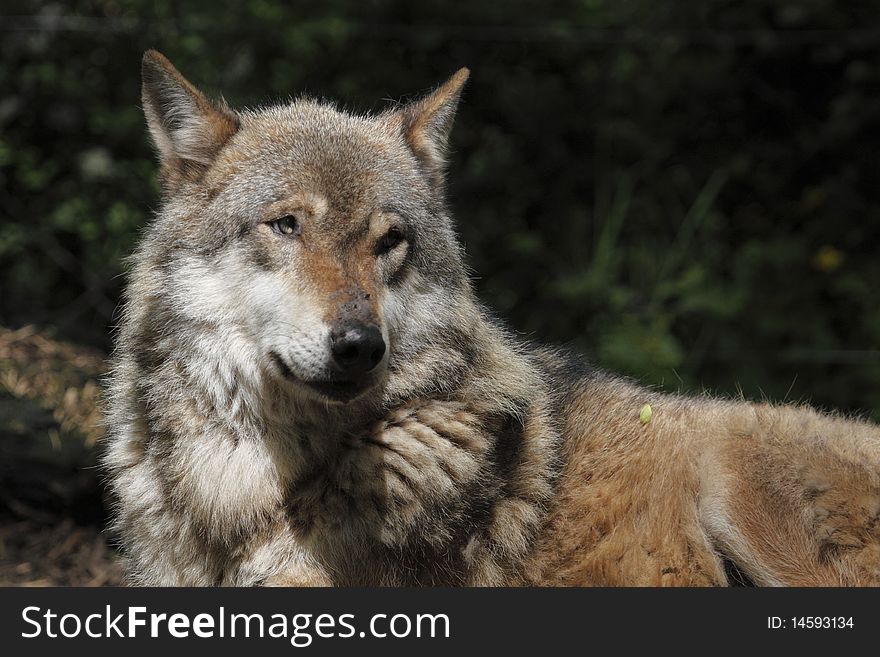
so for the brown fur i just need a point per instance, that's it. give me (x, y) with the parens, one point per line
(790, 495)
(238, 453)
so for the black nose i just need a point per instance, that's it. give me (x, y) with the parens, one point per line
(357, 347)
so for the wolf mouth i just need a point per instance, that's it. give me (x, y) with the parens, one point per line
(341, 390)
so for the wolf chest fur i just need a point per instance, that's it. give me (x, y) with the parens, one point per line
(306, 391)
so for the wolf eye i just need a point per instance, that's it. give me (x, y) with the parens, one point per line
(286, 225)
(391, 239)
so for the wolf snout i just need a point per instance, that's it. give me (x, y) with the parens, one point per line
(357, 347)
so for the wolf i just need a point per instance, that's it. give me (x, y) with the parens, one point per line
(306, 391)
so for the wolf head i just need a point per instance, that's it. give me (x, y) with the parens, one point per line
(318, 237)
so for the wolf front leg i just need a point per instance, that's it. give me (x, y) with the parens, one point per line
(469, 485)
(793, 497)
(436, 492)
(405, 480)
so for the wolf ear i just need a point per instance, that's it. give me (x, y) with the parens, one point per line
(427, 122)
(187, 128)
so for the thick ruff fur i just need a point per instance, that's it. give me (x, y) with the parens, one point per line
(237, 457)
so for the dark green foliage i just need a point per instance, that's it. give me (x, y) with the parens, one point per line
(688, 192)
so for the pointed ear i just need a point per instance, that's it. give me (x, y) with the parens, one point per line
(427, 122)
(188, 130)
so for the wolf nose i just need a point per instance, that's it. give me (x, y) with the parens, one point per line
(357, 347)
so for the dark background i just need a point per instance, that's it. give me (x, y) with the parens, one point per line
(687, 192)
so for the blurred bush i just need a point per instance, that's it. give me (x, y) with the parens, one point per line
(686, 191)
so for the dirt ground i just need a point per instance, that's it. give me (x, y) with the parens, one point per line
(67, 554)
(52, 510)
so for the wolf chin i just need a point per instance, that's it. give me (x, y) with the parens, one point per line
(306, 391)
